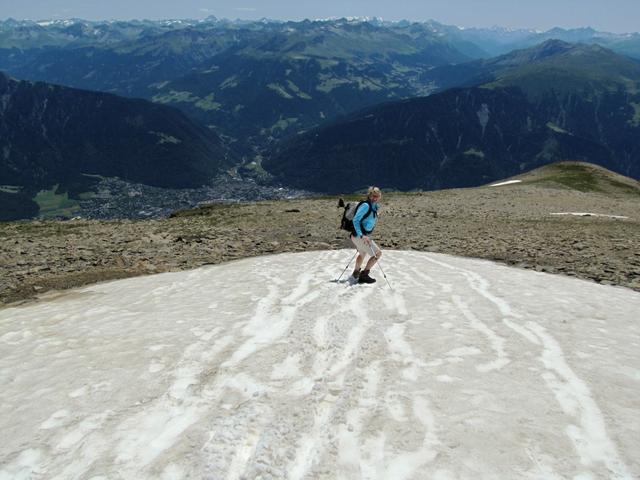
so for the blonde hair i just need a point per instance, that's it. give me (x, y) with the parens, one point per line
(373, 191)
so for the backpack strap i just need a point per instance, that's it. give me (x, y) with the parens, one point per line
(371, 210)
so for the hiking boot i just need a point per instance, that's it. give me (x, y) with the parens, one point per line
(365, 278)
(356, 273)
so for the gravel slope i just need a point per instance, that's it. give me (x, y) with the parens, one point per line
(511, 223)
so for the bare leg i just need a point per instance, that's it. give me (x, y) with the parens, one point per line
(359, 261)
(372, 261)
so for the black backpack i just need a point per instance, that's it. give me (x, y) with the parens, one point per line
(350, 209)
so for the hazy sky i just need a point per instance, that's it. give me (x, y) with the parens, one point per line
(611, 15)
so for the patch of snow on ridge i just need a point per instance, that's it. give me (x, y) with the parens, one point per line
(483, 116)
(508, 182)
(586, 214)
(202, 374)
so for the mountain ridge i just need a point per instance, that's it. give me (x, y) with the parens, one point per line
(53, 135)
(586, 59)
(353, 62)
(466, 136)
(578, 176)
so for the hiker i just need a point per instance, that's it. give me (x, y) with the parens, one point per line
(364, 222)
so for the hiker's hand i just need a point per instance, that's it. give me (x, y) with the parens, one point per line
(366, 240)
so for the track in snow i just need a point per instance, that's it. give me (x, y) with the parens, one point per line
(265, 368)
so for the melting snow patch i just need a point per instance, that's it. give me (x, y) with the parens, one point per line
(294, 376)
(586, 214)
(508, 182)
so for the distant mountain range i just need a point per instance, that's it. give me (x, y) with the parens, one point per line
(473, 42)
(497, 41)
(255, 83)
(569, 60)
(326, 105)
(553, 102)
(52, 135)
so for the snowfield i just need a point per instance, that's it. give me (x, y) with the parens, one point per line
(587, 214)
(508, 182)
(266, 368)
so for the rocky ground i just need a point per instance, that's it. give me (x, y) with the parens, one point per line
(511, 224)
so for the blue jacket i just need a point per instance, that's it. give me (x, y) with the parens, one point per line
(369, 223)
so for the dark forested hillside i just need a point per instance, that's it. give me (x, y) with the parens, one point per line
(52, 135)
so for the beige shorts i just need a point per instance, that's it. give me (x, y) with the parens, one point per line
(362, 247)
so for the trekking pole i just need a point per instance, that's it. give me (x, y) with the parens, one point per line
(345, 268)
(378, 262)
